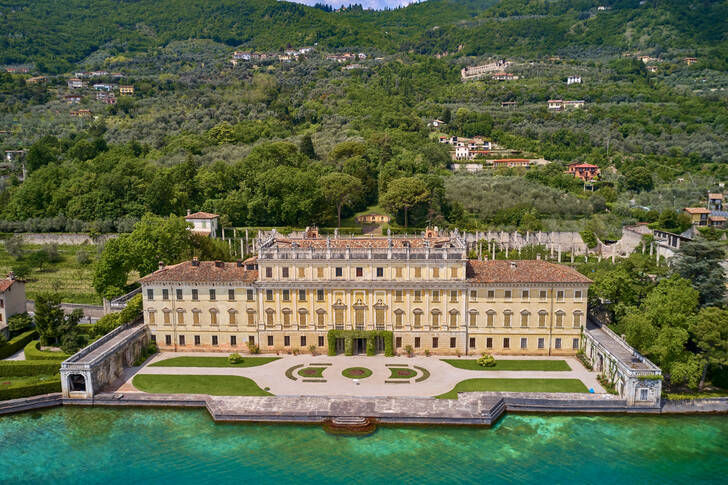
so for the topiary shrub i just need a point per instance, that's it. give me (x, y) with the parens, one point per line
(235, 359)
(486, 360)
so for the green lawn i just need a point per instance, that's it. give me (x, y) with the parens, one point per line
(212, 362)
(535, 365)
(211, 385)
(515, 385)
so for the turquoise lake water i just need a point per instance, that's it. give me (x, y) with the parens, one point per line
(98, 445)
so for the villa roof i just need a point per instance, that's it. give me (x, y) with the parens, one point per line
(523, 271)
(208, 271)
(201, 215)
(697, 210)
(363, 242)
(6, 284)
(715, 196)
(583, 165)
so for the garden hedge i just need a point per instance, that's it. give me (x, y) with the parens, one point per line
(350, 335)
(15, 392)
(28, 368)
(33, 352)
(17, 343)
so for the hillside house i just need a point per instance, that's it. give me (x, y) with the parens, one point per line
(503, 76)
(103, 87)
(556, 104)
(72, 98)
(574, 104)
(203, 223)
(81, 113)
(126, 90)
(99, 73)
(474, 72)
(690, 60)
(14, 156)
(573, 80)
(351, 67)
(511, 163)
(241, 55)
(715, 202)
(436, 124)
(35, 80)
(75, 83)
(12, 300)
(651, 68)
(718, 222)
(508, 104)
(698, 215)
(584, 171)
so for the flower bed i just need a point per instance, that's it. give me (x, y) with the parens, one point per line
(356, 372)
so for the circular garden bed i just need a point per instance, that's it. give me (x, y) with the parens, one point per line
(356, 372)
(311, 371)
(402, 373)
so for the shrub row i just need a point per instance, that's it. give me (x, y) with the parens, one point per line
(16, 343)
(33, 352)
(28, 368)
(25, 390)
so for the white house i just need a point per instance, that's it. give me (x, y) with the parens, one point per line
(12, 300)
(573, 80)
(436, 123)
(203, 223)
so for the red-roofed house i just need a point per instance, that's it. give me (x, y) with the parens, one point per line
(203, 223)
(12, 300)
(584, 171)
(698, 215)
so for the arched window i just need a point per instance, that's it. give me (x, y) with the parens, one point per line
(398, 318)
(560, 318)
(321, 318)
(251, 317)
(473, 316)
(542, 314)
(507, 315)
(491, 318)
(525, 316)
(196, 316)
(578, 315)
(302, 317)
(453, 318)
(269, 315)
(180, 316)
(417, 317)
(166, 315)
(152, 317)
(232, 318)
(286, 317)
(435, 318)
(213, 316)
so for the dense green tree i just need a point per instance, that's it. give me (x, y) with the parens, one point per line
(710, 332)
(53, 324)
(404, 194)
(699, 261)
(306, 147)
(340, 189)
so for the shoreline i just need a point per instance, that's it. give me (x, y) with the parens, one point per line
(482, 409)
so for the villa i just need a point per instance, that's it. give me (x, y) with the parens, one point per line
(424, 290)
(203, 223)
(12, 300)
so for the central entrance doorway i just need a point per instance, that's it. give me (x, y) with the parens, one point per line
(360, 346)
(340, 345)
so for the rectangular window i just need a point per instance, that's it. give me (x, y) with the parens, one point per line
(168, 339)
(435, 342)
(489, 343)
(359, 271)
(197, 340)
(398, 342)
(320, 341)
(506, 343)
(166, 317)
(303, 340)
(286, 341)
(436, 296)
(251, 340)
(507, 295)
(560, 295)
(150, 294)
(195, 296)
(359, 318)
(181, 339)
(319, 295)
(231, 294)
(557, 343)
(212, 294)
(643, 394)
(379, 318)
(525, 295)
(301, 295)
(435, 272)
(339, 318)
(577, 320)
(417, 342)
(320, 317)
(232, 319)
(233, 341)
(542, 295)
(398, 272)
(284, 272)
(453, 296)
(541, 343)
(268, 295)
(268, 272)
(524, 343)
(339, 271)
(301, 272)
(380, 272)
(249, 295)
(251, 319)
(214, 340)
(320, 273)
(418, 295)
(154, 339)
(165, 294)
(398, 295)
(152, 318)
(453, 272)
(270, 340)
(453, 342)
(473, 295)
(269, 319)
(491, 294)
(302, 319)
(286, 295)
(398, 319)
(471, 343)
(179, 293)
(575, 343)
(577, 295)
(418, 272)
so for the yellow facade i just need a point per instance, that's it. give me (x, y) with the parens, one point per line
(433, 300)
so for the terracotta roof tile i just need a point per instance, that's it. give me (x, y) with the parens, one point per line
(202, 215)
(364, 242)
(5, 284)
(206, 271)
(697, 210)
(522, 271)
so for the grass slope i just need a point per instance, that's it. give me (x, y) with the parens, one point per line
(514, 365)
(515, 385)
(211, 385)
(212, 362)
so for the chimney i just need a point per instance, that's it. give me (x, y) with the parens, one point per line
(514, 265)
(11, 276)
(195, 261)
(189, 212)
(219, 264)
(161, 265)
(239, 263)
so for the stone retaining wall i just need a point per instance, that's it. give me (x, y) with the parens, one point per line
(70, 239)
